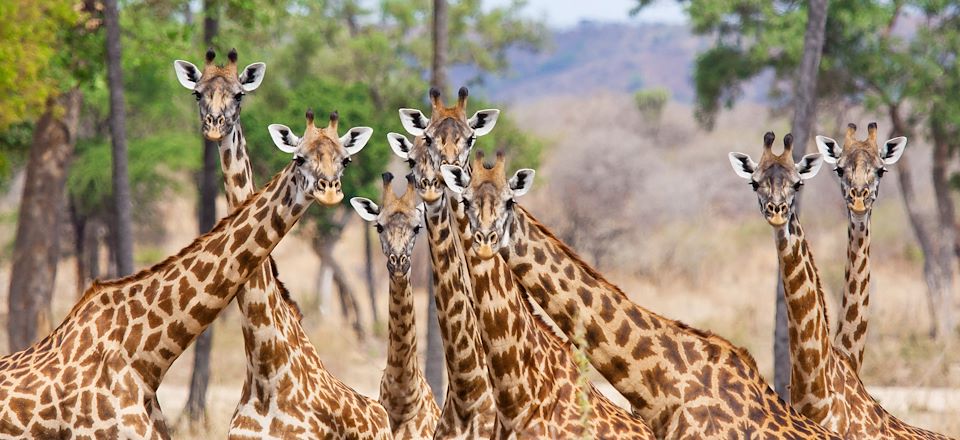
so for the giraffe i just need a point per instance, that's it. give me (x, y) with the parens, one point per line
(683, 382)
(404, 391)
(281, 361)
(468, 410)
(859, 166)
(532, 370)
(823, 384)
(96, 375)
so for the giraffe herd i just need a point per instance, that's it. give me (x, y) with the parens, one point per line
(498, 276)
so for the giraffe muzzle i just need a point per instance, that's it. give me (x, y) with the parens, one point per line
(776, 213)
(485, 245)
(430, 190)
(857, 201)
(328, 193)
(214, 127)
(398, 265)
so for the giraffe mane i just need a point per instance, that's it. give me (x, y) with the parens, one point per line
(704, 334)
(284, 293)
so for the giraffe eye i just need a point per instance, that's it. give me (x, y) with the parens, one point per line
(755, 185)
(511, 203)
(238, 96)
(840, 171)
(416, 229)
(427, 140)
(379, 228)
(347, 161)
(300, 160)
(411, 163)
(471, 140)
(466, 204)
(197, 95)
(798, 185)
(881, 171)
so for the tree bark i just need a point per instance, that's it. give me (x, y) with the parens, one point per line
(434, 363)
(934, 275)
(37, 247)
(79, 223)
(438, 76)
(118, 136)
(946, 221)
(323, 244)
(805, 111)
(207, 213)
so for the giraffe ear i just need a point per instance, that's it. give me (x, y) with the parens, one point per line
(829, 148)
(892, 149)
(188, 74)
(365, 208)
(283, 138)
(400, 145)
(483, 121)
(355, 139)
(742, 164)
(252, 76)
(809, 165)
(455, 178)
(522, 181)
(413, 121)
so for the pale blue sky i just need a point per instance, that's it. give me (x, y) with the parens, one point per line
(566, 13)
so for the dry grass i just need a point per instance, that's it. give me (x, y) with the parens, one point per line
(698, 251)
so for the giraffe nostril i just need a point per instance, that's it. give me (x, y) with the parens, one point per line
(478, 237)
(424, 183)
(220, 119)
(492, 237)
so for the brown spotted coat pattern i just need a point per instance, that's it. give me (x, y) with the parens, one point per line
(97, 374)
(287, 392)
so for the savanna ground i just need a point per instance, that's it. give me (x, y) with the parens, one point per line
(669, 222)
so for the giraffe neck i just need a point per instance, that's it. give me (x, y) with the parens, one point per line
(807, 323)
(403, 388)
(237, 170)
(267, 313)
(851, 334)
(469, 386)
(186, 292)
(509, 338)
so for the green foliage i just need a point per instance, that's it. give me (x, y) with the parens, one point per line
(14, 147)
(32, 43)
(152, 163)
(652, 102)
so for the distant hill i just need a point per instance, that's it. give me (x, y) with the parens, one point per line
(602, 56)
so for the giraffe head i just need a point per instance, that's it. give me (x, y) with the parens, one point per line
(398, 221)
(425, 174)
(489, 200)
(321, 155)
(776, 179)
(448, 134)
(860, 164)
(219, 90)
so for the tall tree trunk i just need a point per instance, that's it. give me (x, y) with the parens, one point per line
(805, 111)
(946, 221)
(438, 72)
(934, 274)
(80, 231)
(371, 287)
(118, 136)
(36, 248)
(434, 363)
(207, 213)
(323, 244)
